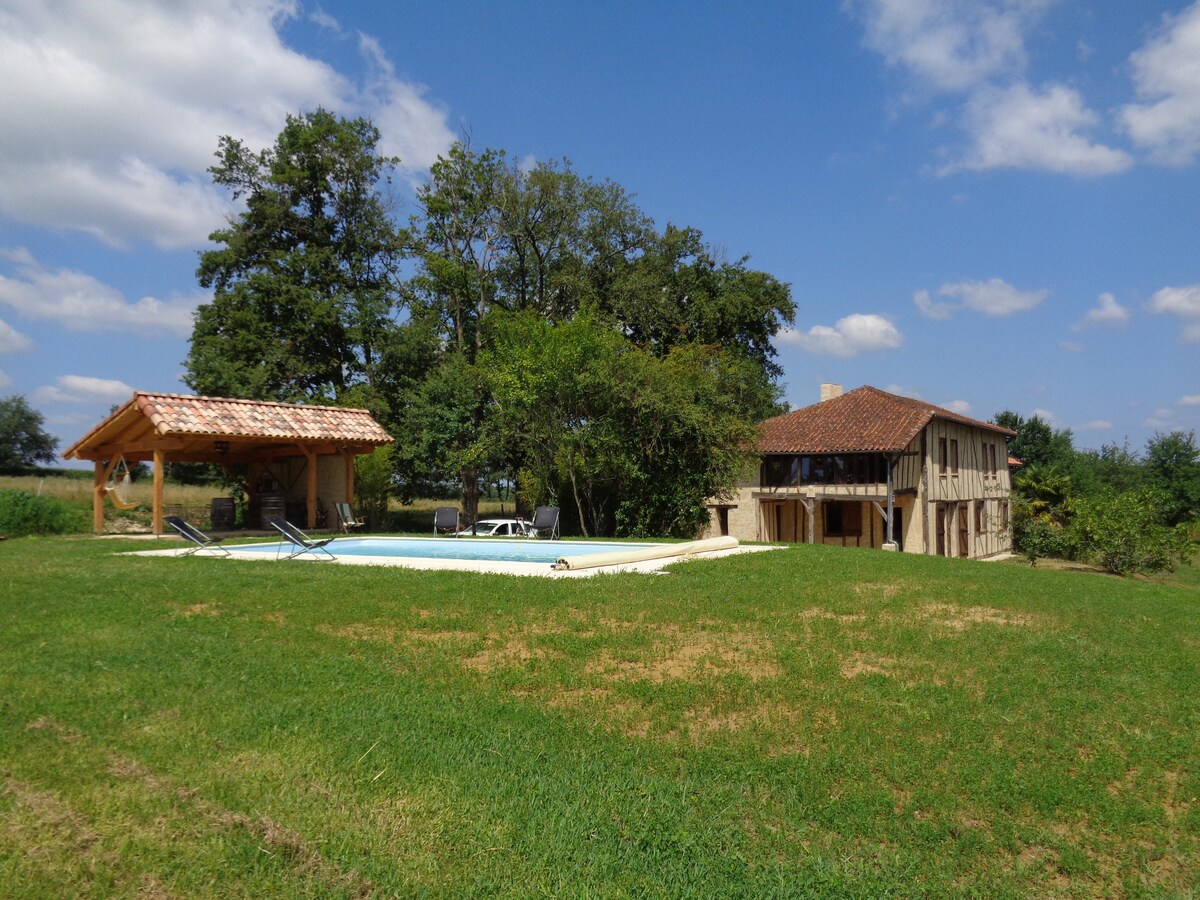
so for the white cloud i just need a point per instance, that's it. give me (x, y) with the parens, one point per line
(903, 391)
(1162, 418)
(1071, 347)
(12, 341)
(994, 297)
(1107, 312)
(80, 302)
(1045, 415)
(951, 46)
(931, 309)
(976, 49)
(5, 381)
(1183, 302)
(1166, 74)
(1097, 425)
(962, 407)
(112, 109)
(852, 335)
(83, 389)
(1018, 128)
(1190, 400)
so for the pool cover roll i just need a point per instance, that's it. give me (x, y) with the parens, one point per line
(660, 551)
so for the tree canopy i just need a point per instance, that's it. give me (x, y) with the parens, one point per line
(304, 282)
(1127, 512)
(531, 326)
(23, 440)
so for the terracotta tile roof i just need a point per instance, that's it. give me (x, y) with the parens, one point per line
(860, 421)
(180, 414)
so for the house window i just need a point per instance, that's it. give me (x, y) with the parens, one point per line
(979, 516)
(992, 458)
(843, 519)
(953, 457)
(943, 458)
(779, 471)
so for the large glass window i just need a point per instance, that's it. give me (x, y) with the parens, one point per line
(845, 468)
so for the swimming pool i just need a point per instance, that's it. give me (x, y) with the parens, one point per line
(470, 549)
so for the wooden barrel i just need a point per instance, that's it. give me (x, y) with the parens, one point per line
(271, 505)
(222, 515)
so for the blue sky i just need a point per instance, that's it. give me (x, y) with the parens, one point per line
(986, 204)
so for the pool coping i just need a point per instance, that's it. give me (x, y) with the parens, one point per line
(498, 567)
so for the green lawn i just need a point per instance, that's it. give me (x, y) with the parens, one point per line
(804, 722)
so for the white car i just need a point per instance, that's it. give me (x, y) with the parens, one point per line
(497, 528)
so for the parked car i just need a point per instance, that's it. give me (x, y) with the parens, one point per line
(496, 528)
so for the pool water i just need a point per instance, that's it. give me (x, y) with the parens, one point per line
(472, 549)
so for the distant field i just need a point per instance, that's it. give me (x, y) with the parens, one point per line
(807, 722)
(196, 499)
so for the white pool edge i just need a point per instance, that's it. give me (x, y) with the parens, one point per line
(499, 567)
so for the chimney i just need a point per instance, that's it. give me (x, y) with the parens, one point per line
(829, 391)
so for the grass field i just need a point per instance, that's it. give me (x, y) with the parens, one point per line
(808, 722)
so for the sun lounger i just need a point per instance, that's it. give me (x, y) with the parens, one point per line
(193, 534)
(300, 543)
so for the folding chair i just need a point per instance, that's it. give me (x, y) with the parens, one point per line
(191, 533)
(300, 542)
(545, 518)
(346, 517)
(445, 518)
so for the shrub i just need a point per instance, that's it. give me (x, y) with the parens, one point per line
(1126, 533)
(23, 513)
(1039, 538)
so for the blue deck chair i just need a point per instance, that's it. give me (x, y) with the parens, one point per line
(545, 519)
(300, 542)
(191, 533)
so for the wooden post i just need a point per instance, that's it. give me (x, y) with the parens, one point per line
(159, 466)
(98, 498)
(809, 510)
(311, 458)
(349, 458)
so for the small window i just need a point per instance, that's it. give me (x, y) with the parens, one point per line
(979, 516)
(953, 457)
(992, 459)
(943, 458)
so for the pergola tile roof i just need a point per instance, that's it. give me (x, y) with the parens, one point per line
(865, 420)
(180, 414)
(249, 422)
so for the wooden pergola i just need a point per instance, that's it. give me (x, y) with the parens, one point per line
(164, 428)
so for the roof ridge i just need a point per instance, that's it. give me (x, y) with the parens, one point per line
(244, 400)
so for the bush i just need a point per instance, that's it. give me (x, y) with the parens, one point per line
(1039, 538)
(23, 513)
(1126, 533)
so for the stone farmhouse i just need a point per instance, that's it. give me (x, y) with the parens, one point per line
(871, 469)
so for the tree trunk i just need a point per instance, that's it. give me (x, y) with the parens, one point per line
(470, 495)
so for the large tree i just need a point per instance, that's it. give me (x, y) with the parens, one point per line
(23, 442)
(492, 240)
(1037, 443)
(304, 280)
(1173, 466)
(654, 355)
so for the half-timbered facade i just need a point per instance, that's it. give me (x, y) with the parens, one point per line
(872, 469)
